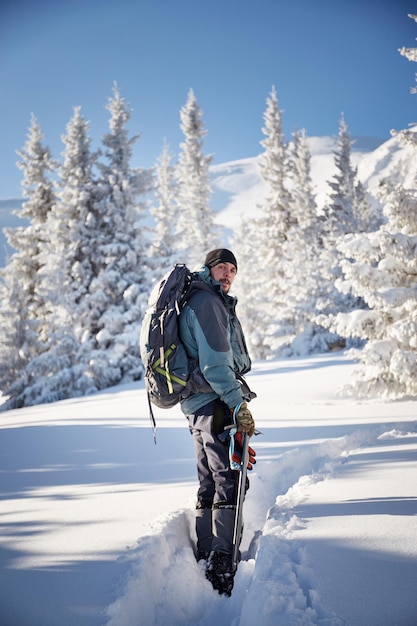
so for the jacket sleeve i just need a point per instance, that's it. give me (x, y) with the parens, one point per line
(206, 333)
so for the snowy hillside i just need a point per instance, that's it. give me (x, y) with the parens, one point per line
(96, 525)
(238, 188)
(389, 158)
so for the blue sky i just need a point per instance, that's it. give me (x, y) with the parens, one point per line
(324, 57)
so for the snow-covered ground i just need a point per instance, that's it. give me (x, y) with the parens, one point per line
(96, 522)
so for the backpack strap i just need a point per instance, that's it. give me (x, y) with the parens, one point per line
(247, 393)
(152, 417)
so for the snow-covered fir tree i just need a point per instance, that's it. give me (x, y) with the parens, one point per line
(117, 296)
(72, 222)
(303, 201)
(23, 308)
(68, 271)
(408, 136)
(276, 218)
(381, 268)
(410, 53)
(271, 232)
(281, 291)
(196, 230)
(17, 341)
(89, 269)
(304, 275)
(346, 211)
(248, 287)
(164, 244)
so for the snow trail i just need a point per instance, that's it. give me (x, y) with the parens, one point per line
(273, 585)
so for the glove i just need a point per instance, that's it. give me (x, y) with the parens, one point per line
(244, 419)
(238, 450)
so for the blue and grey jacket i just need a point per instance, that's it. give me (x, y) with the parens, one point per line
(212, 335)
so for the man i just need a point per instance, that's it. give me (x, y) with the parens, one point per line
(213, 336)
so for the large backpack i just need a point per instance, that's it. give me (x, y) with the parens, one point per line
(170, 375)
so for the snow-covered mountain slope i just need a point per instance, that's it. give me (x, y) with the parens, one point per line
(238, 187)
(389, 159)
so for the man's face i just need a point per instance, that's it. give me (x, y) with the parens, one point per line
(225, 274)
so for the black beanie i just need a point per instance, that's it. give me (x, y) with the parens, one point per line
(221, 255)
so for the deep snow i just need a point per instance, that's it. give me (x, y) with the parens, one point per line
(97, 521)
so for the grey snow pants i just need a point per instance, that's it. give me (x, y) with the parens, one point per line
(217, 492)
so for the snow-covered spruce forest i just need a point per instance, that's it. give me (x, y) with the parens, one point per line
(317, 272)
